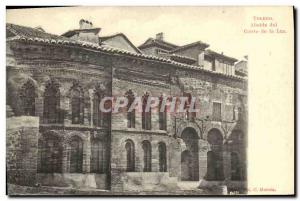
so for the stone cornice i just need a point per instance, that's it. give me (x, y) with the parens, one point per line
(143, 82)
(138, 131)
(56, 71)
(46, 127)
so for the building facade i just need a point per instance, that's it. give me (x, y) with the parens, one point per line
(55, 85)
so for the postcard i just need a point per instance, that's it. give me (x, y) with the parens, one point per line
(178, 101)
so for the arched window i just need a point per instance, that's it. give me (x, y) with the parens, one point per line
(52, 103)
(28, 95)
(77, 105)
(130, 156)
(98, 158)
(97, 115)
(76, 155)
(162, 115)
(51, 155)
(146, 115)
(235, 167)
(147, 155)
(162, 151)
(130, 114)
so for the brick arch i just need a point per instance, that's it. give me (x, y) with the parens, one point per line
(211, 127)
(20, 79)
(70, 135)
(184, 125)
(75, 86)
(52, 133)
(14, 86)
(215, 136)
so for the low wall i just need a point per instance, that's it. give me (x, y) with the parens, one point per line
(74, 180)
(147, 181)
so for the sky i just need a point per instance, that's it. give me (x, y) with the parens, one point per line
(220, 27)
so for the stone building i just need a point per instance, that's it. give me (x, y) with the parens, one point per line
(59, 82)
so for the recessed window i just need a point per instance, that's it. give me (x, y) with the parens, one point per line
(217, 111)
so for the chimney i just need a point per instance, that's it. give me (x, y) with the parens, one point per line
(39, 28)
(160, 36)
(84, 24)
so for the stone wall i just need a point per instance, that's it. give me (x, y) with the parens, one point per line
(22, 150)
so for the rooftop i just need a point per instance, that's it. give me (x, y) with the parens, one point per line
(27, 34)
(150, 42)
(198, 43)
(220, 55)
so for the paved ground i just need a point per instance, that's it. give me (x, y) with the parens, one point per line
(29, 191)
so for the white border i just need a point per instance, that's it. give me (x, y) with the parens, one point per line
(5, 3)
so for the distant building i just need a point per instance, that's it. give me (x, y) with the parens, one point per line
(241, 67)
(59, 81)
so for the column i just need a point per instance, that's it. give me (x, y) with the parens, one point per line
(87, 111)
(87, 153)
(203, 149)
(39, 108)
(155, 157)
(65, 105)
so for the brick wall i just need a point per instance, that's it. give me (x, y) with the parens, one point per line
(22, 150)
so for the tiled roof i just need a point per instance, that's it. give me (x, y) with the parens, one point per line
(104, 38)
(155, 42)
(32, 32)
(198, 43)
(75, 31)
(27, 34)
(218, 55)
(185, 59)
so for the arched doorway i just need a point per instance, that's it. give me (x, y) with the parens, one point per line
(215, 156)
(186, 166)
(76, 155)
(190, 157)
(51, 154)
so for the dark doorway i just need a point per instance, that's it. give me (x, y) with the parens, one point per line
(186, 166)
(76, 155)
(215, 156)
(190, 157)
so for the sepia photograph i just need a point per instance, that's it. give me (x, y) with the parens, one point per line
(125, 101)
